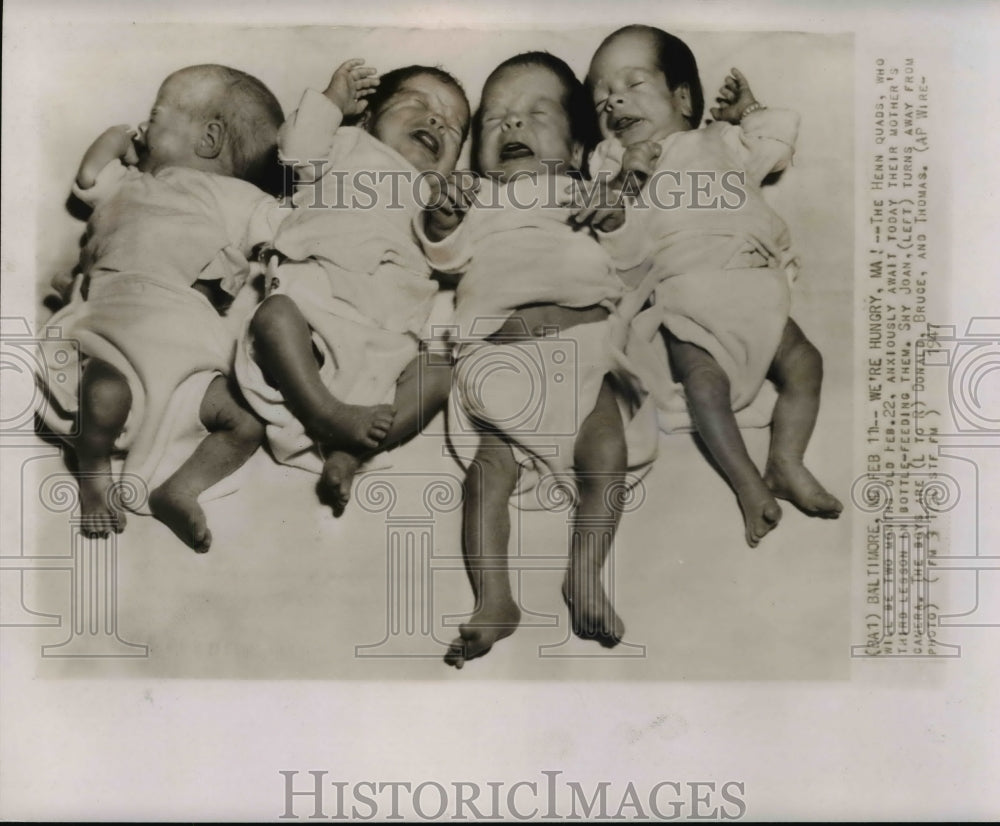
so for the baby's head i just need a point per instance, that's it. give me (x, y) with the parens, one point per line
(534, 117)
(645, 85)
(421, 112)
(215, 119)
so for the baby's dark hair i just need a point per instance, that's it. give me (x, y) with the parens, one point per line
(576, 100)
(390, 82)
(251, 115)
(674, 58)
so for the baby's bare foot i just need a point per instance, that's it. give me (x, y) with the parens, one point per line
(591, 612)
(353, 426)
(179, 510)
(487, 626)
(791, 480)
(98, 514)
(761, 513)
(335, 480)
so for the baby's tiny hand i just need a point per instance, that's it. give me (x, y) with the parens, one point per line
(449, 200)
(640, 158)
(131, 156)
(608, 220)
(734, 97)
(351, 84)
(598, 205)
(118, 142)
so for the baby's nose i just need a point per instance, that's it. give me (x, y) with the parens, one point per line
(141, 130)
(513, 120)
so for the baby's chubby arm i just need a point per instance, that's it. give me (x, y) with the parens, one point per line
(305, 139)
(112, 144)
(444, 238)
(764, 138)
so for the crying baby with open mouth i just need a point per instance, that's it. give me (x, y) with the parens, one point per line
(329, 359)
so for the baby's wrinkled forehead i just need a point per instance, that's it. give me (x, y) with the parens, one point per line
(446, 96)
(519, 74)
(623, 51)
(524, 78)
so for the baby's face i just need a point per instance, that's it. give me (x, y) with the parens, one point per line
(633, 100)
(424, 122)
(171, 134)
(524, 125)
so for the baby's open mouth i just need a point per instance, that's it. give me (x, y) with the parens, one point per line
(620, 124)
(515, 149)
(428, 140)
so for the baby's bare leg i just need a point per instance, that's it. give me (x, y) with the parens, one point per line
(105, 401)
(234, 434)
(421, 393)
(797, 372)
(283, 349)
(489, 482)
(600, 458)
(707, 389)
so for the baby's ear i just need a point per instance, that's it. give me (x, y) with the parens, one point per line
(682, 95)
(212, 140)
